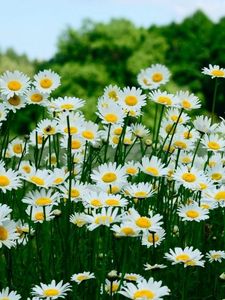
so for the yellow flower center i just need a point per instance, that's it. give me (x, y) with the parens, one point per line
(51, 292)
(128, 231)
(37, 180)
(39, 216)
(82, 277)
(192, 214)
(27, 169)
(174, 118)
(186, 160)
(143, 222)
(111, 118)
(190, 262)
(182, 257)
(153, 238)
(14, 101)
(140, 194)
(14, 85)
(187, 135)
(109, 177)
(153, 171)
(75, 144)
(49, 130)
(218, 73)
(40, 139)
(131, 100)
(58, 180)
(216, 256)
(205, 206)
(3, 233)
(186, 103)
(189, 177)
(113, 190)
(180, 144)
(36, 98)
(96, 202)
(67, 106)
(212, 164)
(214, 145)
(73, 130)
(220, 196)
(144, 294)
(112, 202)
(46, 83)
(157, 77)
(115, 140)
(169, 129)
(118, 131)
(113, 95)
(164, 100)
(4, 180)
(202, 186)
(216, 176)
(131, 171)
(131, 277)
(43, 201)
(103, 220)
(17, 148)
(75, 193)
(88, 134)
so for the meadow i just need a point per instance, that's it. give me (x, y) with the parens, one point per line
(112, 208)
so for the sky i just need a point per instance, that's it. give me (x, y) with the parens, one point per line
(33, 26)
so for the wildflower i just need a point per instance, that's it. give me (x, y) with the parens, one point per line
(215, 255)
(112, 92)
(67, 104)
(163, 98)
(112, 114)
(78, 219)
(148, 267)
(5, 294)
(153, 166)
(214, 71)
(187, 101)
(213, 142)
(80, 277)
(139, 190)
(9, 179)
(46, 81)
(111, 287)
(145, 290)
(51, 291)
(34, 96)
(41, 178)
(41, 198)
(153, 238)
(40, 214)
(189, 177)
(192, 212)
(131, 99)
(203, 124)
(8, 235)
(125, 229)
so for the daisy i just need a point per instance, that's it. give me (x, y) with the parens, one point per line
(40, 214)
(77, 143)
(78, 219)
(23, 229)
(174, 115)
(8, 234)
(46, 81)
(94, 199)
(16, 147)
(143, 223)
(131, 168)
(80, 277)
(15, 102)
(131, 99)
(203, 124)
(34, 96)
(187, 101)
(89, 132)
(75, 190)
(213, 142)
(125, 229)
(47, 127)
(51, 291)
(159, 74)
(214, 71)
(181, 142)
(111, 287)
(215, 255)
(9, 179)
(42, 197)
(112, 92)
(5, 294)
(114, 200)
(75, 126)
(217, 195)
(216, 174)
(112, 114)
(132, 277)
(140, 130)
(153, 166)
(13, 83)
(163, 98)
(144, 80)
(192, 212)
(67, 104)
(153, 238)
(188, 257)
(106, 217)
(139, 190)
(58, 176)
(41, 178)
(145, 290)
(189, 177)
(109, 174)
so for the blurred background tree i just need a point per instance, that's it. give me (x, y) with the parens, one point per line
(99, 54)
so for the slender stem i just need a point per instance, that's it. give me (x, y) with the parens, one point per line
(214, 99)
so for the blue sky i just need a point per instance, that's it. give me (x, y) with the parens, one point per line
(32, 26)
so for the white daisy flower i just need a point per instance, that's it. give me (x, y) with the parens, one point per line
(13, 83)
(6, 294)
(140, 130)
(187, 101)
(131, 168)
(51, 291)
(125, 229)
(40, 214)
(163, 98)
(15, 102)
(213, 142)
(76, 190)
(190, 178)
(3, 112)
(46, 81)
(141, 190)
(153, 166)
(47, 127)
(153, 238)
(192, 212)
(112, 114)
(78, 219)
(112, 92)
(214, 71)
(5, 211)
(42, 198)
(8, 234)
(9, 179)
(67, 104)
(34, 96)
(215, 255)
(131, 99)
(80, 277)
